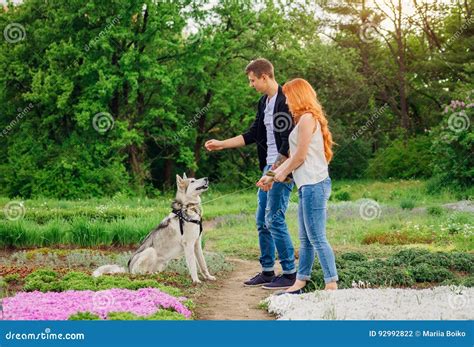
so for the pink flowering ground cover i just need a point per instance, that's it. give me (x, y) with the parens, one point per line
(60, 305)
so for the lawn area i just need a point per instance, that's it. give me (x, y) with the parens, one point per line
(363, 215)
(400, 214)
(384, 233)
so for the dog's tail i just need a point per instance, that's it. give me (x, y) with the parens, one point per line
(108, 269)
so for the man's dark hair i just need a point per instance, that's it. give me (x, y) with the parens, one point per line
(259, 67)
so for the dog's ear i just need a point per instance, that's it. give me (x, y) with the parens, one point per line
(179, 180)
(184, 176)
(181, 183)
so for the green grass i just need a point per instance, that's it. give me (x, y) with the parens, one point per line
(125, 221)
(393, 192)
(238, 236)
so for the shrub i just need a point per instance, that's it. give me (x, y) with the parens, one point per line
(463, 262)
(350, 156)
(395, 237)
(46, 280)
(403, 159)
(435, 210)
(429, 273)
(159, 315)
(11, 278)
(468, 281)
(84, 316)
(408, 256)
(342, 196)
(453, 148)
(407, 204)
(353, 256)
(403, 269)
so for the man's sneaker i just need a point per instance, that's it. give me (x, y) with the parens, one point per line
(280, 282)
(259, 280)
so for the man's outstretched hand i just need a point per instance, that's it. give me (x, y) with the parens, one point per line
(214, 145)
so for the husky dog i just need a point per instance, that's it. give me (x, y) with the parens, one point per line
(178, 233)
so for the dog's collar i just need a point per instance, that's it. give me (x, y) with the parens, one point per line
(178, 205)
(179, 209)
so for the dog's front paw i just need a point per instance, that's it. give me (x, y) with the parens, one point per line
(210, 278)
(197, 281)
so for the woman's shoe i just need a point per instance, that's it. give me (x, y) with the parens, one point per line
(298, 291)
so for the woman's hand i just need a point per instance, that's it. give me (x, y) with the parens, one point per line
(279, 176)
(265, 183)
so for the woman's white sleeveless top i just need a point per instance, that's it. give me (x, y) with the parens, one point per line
(314, 168)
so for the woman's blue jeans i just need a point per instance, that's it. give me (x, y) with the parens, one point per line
(312, 214)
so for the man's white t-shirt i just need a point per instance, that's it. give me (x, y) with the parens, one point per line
(272, 151)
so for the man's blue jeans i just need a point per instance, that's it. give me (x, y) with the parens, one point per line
(272, 229)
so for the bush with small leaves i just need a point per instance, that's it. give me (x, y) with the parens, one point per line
(429, 273)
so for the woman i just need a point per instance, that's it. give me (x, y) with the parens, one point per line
(310, 153)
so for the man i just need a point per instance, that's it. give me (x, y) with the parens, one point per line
(270, 132)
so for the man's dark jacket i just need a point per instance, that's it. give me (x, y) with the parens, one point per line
(282, 126)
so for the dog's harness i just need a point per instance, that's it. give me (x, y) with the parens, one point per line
(183, 217)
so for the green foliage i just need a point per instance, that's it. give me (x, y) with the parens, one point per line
(453, 141)
(161, 314)
(407, 204)
(428, 273)
(435, 210)
(403, 159)
(161, 93)
(342, 196)
(403, 269)
(353, 256)
(11, 278)
(84, 316)
(351, 158)
(46, 280)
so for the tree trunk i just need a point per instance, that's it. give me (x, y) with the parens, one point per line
(401, 71)
(135, 155)
(167, 172)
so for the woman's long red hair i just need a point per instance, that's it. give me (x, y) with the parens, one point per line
(301, 99)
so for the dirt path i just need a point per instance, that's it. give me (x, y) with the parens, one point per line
(230, 300)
